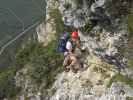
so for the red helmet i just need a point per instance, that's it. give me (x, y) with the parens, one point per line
(75, 35)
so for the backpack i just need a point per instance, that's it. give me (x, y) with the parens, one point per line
(62, 43)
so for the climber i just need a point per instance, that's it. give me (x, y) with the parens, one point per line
(71, 61)
(62, 43)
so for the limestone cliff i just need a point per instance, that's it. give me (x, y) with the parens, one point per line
(103, 31)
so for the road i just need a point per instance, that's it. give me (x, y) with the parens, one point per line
(18, 36)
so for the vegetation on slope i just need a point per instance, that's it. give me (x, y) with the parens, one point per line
(7, 83)
(130, 24)
(121, 78)
(45, 63)
(59, 24)
(129, 98)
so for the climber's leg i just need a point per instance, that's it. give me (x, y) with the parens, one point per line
(75, 65)
(66, 63)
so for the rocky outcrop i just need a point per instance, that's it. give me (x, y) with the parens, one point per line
(46, 31)
(102, 42)
(90, 84)
(72, 15)
(29, 89)
(102, 62)
(78, 13)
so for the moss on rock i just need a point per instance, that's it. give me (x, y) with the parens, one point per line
(8, 88)
(130, 24)
(121, 78)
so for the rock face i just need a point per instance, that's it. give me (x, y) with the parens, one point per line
(102, 44)
(77, 13)
(72, 15)
(29, 90)
(46, 31)
(101, 63)
(90, 84)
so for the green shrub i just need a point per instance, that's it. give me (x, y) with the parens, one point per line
(7, 84)
(130, 24)
(59, 25)
(23, 55)
(45, 65)
(130, 64)
(44, 62)
(129, 98)
(121, 78)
